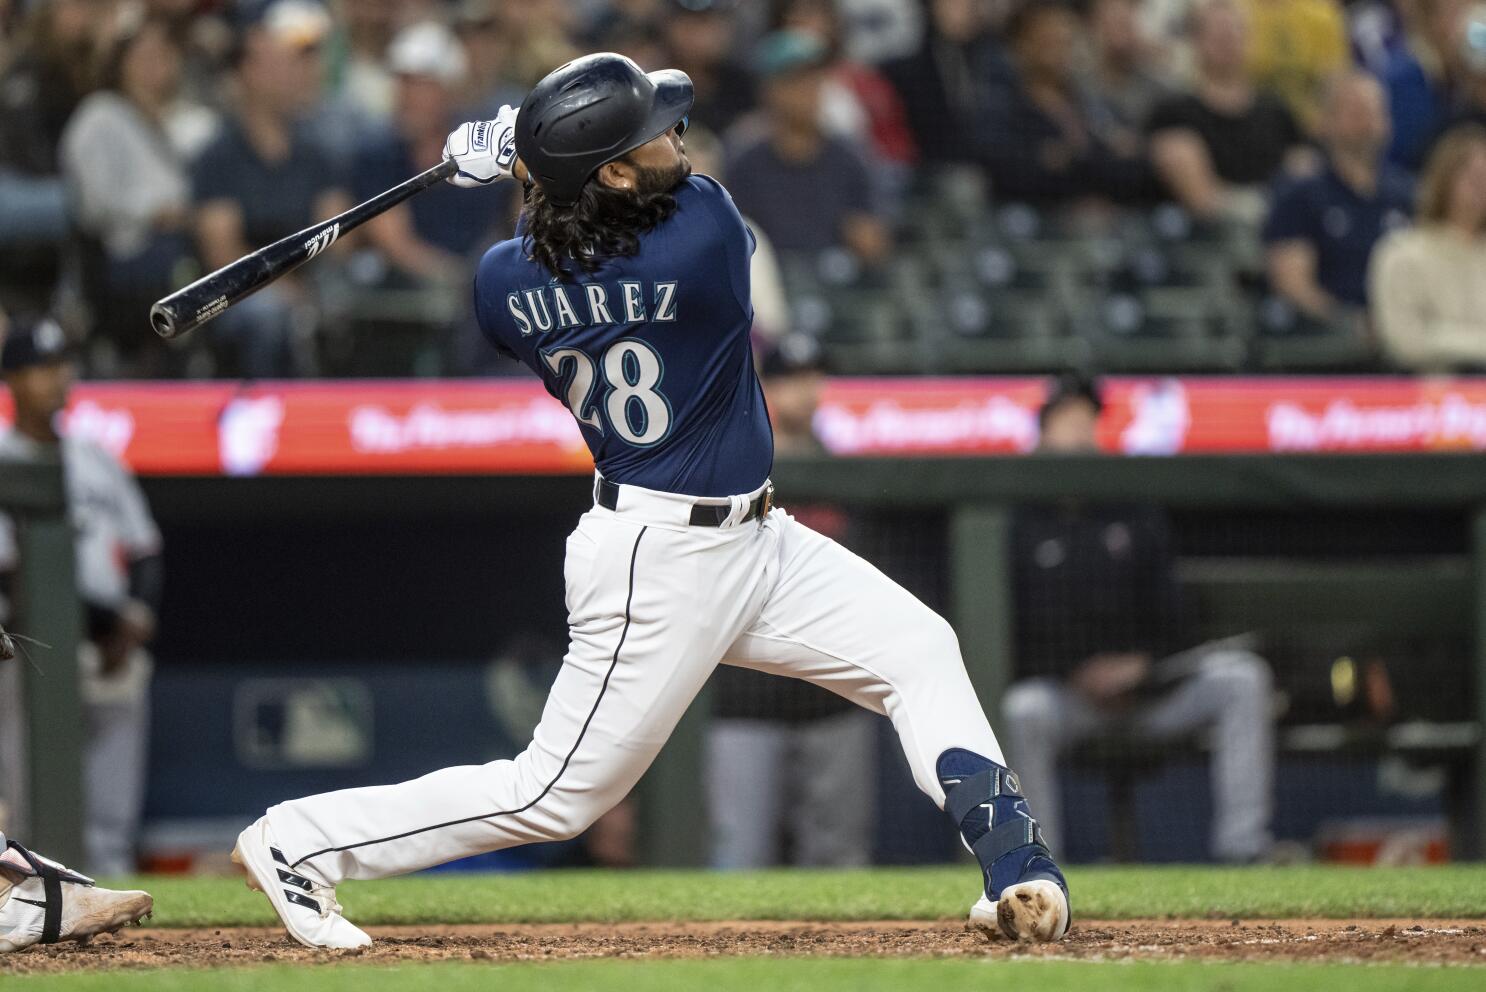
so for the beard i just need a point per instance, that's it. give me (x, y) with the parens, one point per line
(650, 181)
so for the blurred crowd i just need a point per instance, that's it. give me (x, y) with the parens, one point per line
(1337, 151)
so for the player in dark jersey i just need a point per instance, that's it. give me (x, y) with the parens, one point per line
(650, 351)
(627, 291)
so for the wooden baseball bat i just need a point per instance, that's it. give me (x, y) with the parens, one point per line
(189, 308)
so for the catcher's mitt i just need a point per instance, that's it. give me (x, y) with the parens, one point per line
(7, 646)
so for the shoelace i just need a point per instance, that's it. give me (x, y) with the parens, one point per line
(325, 896)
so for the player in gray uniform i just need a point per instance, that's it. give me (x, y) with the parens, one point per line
(119, 582)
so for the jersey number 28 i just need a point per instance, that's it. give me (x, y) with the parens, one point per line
(631, 406)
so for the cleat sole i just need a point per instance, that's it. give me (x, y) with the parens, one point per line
(1033, 912)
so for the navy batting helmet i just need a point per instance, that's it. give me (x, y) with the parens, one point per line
(591, 111)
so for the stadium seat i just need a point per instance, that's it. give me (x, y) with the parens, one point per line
(946, 204)
(1291, 342)
(390, 331)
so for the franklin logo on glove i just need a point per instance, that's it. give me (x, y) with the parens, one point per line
(485, 151)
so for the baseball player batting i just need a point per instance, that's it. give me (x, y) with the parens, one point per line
(627, 291)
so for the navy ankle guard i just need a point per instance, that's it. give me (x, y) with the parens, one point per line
(985, 802)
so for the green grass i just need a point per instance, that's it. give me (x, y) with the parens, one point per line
(887, 893)
(775, 975)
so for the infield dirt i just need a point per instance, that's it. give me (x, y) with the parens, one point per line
(1392, 941)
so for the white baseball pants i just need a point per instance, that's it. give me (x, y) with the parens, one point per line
(654, 604)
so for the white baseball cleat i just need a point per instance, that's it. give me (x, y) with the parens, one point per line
(1033, 912)
(43, 902)
(305, 906)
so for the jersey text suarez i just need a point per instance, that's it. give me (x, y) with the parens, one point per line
(651, 352)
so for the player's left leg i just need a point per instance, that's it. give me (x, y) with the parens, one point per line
(834, 620)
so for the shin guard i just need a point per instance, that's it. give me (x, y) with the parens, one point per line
(985, 802)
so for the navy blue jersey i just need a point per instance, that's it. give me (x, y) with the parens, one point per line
(651, 352)
(1340, 224)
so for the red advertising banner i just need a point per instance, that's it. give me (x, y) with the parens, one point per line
(514, 427)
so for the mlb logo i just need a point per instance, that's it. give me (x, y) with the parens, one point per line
(302, 723)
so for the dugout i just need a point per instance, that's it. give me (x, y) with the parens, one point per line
(391, 593)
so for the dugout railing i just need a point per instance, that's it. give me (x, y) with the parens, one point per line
(46, 613)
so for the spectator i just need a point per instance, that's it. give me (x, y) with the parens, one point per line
(202, 37)
(433, 237)
(642, 41)
(1041, 144)
(621, 16)
(130, 188)
(1098, 619)
(119, 577)
(1470, 89)
(1218, 146)
(1377, 32)
(1322, 228)
(49, 73)
(355, 102)
(786, 760)
(431, 241)
(1429, 283)
(1421, 78)
(538, 38)
(700, 36)
(948, 84)
(1169, 22)
(1295, 47)
(876, 31)
(9, 19)
(359, 43)
(857, 102)
(1124, 82)
(264, 178)
(806, 190)
(488, 50)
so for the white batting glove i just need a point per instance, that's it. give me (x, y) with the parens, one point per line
(484, 150)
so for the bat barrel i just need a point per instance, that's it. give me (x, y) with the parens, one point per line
(189, 308)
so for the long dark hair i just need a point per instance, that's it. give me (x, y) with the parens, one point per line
(604, 223)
